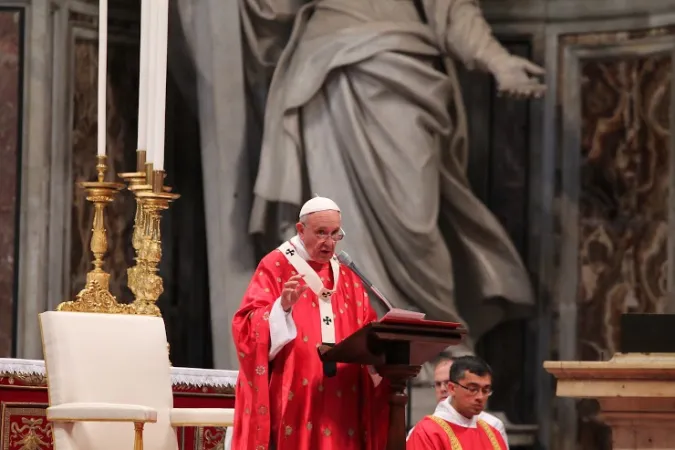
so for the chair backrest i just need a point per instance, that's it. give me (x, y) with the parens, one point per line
(108, 358)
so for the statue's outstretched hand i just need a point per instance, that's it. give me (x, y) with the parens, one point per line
(518, 77)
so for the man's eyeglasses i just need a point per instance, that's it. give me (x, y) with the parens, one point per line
(336, 236)
(439, 384)
(474, 390)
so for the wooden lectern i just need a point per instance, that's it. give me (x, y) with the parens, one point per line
(397, 348)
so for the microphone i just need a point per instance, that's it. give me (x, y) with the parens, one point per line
(345, 259)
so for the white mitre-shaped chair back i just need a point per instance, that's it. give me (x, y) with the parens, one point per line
(108, 359)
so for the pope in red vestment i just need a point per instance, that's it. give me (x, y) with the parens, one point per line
(459, 422)
(300, 297)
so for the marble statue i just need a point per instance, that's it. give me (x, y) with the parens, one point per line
(359, 109)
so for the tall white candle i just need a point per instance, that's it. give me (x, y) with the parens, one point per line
(159, 109)
(151, 62)
(102, 75)
(143, 80)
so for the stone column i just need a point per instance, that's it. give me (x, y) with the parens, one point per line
(34, 200)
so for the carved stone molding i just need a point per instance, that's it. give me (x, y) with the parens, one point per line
(574, 10)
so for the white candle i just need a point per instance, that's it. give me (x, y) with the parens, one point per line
(151, 62)
(102, 75)
(159, 109)
(143, 80)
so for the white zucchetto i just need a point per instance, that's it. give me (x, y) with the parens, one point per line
(318, 204)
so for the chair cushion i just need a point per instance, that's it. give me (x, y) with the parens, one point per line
(103, 412)
(187, 417)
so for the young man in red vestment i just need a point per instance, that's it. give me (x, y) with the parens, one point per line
(299, 298)
(441, 383)
(456, 423)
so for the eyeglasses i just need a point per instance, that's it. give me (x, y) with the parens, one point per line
(474, 390)
(438, 384)
(336, 236)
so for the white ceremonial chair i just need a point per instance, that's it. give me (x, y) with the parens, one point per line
(104, 369)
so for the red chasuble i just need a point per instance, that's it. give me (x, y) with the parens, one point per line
(434, 433)
(288, 402)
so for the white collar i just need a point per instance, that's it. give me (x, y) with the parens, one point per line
(447, 412)
(300, 247)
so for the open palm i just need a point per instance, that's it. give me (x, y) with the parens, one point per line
(518, 77)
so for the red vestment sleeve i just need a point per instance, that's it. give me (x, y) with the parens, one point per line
(251, 334)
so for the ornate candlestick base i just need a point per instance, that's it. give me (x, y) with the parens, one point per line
(144, 281)
(137, 182)
(96, 297)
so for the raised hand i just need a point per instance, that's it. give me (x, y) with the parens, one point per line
(517, 77)
(293, 288)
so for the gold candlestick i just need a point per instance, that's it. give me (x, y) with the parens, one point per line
(96, 297)
(137, 182)
(141, 279)
(148, 285)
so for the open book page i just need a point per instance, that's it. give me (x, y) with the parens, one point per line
(397, 314)
(402, 316)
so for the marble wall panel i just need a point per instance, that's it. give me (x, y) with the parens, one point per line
(11, 30)
(623, 206)
(184, 266)
(122, 95)
(499, 130)
(508, 194)
(624, 178)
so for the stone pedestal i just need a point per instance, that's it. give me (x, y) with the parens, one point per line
(636, 392)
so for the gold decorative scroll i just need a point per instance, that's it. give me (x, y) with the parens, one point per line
(25, 427)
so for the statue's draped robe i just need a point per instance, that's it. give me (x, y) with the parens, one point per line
(288, 402)
(357, 112)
